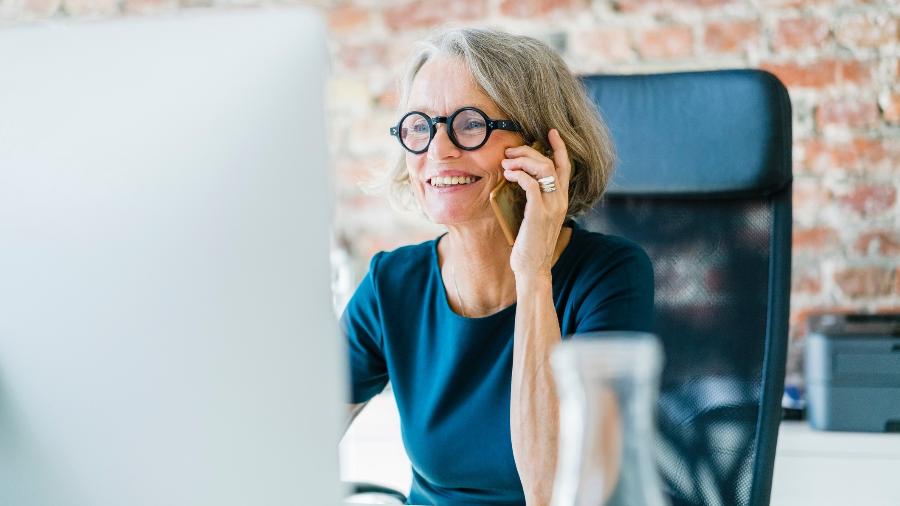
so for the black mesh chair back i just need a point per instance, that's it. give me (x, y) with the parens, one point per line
(703, 184)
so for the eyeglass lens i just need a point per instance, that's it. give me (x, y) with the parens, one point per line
(468, 130)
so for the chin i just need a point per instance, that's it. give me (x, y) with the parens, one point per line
(447, 216)
(450, 210)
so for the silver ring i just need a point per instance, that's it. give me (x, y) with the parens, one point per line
(547, 184)
(547, 187)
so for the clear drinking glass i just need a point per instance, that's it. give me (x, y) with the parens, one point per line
(608, 383)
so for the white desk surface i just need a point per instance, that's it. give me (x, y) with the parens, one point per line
(835, 468)
(811, 467)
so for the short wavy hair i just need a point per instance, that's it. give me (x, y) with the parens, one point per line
(532, 85)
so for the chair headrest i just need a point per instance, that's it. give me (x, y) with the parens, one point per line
(713, 133)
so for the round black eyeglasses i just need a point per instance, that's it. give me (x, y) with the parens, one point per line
(468, 129)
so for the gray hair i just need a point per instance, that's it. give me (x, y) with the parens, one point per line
(532, 85)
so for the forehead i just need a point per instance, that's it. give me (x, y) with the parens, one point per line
(443, 85)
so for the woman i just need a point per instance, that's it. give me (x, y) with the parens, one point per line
(463, 326)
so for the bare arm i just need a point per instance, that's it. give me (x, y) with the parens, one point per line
(534, 406)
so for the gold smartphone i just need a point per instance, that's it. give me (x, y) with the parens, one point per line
(508, 209)
(508, 202)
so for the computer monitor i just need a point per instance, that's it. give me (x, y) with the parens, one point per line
(166, 328)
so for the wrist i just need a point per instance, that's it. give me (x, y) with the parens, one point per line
(533, 282)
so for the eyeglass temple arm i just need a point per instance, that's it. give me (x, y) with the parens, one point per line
(504, 124)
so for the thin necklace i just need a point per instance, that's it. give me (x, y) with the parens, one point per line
(462, 306)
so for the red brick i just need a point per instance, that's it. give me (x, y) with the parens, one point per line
(666, 5)
(730, 36)
(871, 199)
(346, 18)
(861, 282)
(847, 113)
(883, 242)
(855, 72)
(890, 107)
(806, 281)
(532, 8)
(814, 238)
(636, 5)
(606, 44)
(861, 31)
(813, 75)
(799, 33)
(822, 73)
(792, 3)
(90, 7)
(859, 154)
(429, 13)
(666, 42)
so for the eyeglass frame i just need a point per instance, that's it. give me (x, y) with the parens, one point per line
(433, 121)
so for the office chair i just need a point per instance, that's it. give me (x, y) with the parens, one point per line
(703, 184)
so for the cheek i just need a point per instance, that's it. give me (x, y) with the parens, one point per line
(489, 162)
(415, 164)
(413, 168)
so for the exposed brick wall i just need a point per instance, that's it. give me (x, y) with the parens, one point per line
(839, 58)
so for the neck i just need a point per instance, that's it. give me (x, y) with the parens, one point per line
(474, 261)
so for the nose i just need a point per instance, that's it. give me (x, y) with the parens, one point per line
(441, 146)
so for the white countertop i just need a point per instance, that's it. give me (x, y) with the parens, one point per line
(825, 468)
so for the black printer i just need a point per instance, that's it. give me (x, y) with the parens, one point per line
(852, 370)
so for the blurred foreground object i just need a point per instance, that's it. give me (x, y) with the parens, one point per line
(166, 325)
(608, 384)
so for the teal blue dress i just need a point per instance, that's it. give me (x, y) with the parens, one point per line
(451, 375)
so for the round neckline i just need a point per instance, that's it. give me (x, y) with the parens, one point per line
(436, 268)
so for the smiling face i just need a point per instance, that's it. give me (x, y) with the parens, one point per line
(443, 85)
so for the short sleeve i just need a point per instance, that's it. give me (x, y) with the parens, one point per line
(620, 295)
(361, 325)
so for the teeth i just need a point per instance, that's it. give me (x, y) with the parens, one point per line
(451, 180)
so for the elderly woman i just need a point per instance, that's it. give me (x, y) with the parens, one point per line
(463, 325)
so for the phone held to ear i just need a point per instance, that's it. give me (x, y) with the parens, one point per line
(507, 209)
(508, 202)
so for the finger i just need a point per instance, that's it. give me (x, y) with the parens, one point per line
(523, 150)
(528, 183)
(560, 158)
(535, 168)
